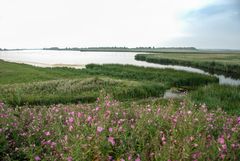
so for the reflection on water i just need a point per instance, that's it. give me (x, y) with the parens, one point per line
(173, 94)
(77, 59)
(225, 80)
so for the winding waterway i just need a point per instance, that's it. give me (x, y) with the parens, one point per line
(77, 59)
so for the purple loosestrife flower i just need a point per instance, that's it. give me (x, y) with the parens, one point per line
(238, 120)
(221, 140)
(111, 140)
(224, 147)
(110, 129)
(97, 108)
(1, 104)
(138, 159)
(47, 133)
(196, 155)
(89, 119)
(70, 128)
(37, 158)
(53, 144)
(110, 158)
(130, 157)
(99, 129)
(71, 120)
(69, 159)
(79, 114)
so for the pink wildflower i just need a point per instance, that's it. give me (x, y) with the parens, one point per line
(71, 120)
(107, 113)
(196, 155)
(174, 119)
(69, 159)
(163, 138)
(110, 158)
(37, 158)
(70, 128)
(221, 140)
(107, 103)
(238, 120)
(224, 147)
(97, 108)
(89, 119)
(111, 140)
(233, 146)
(110, 129)
(138, 159)
(79, 114)
(1, 104)
(47, 133)
(222, 156)
(53, 144)
(99, 129)
(130, 157)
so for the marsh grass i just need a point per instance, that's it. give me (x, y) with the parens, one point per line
(23, 84)
(227, 64)
(167, 76)
(218, 96)
(75, 90)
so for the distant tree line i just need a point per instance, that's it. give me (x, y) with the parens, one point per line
(125, 49)
(3, 49)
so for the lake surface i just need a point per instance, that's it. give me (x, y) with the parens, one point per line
(77, 59)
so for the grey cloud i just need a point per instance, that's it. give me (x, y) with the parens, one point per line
(230, 8)
(216, 25)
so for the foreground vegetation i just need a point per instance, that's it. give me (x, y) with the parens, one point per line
(109, 131)
(223, 63)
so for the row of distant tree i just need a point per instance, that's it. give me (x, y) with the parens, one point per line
(114, 48)
(122, 48)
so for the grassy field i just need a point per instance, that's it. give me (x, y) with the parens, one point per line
(223, 63)
(115, 112)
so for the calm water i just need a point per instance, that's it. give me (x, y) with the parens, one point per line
(77, 59)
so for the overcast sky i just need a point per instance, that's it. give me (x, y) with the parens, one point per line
(131, 23)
